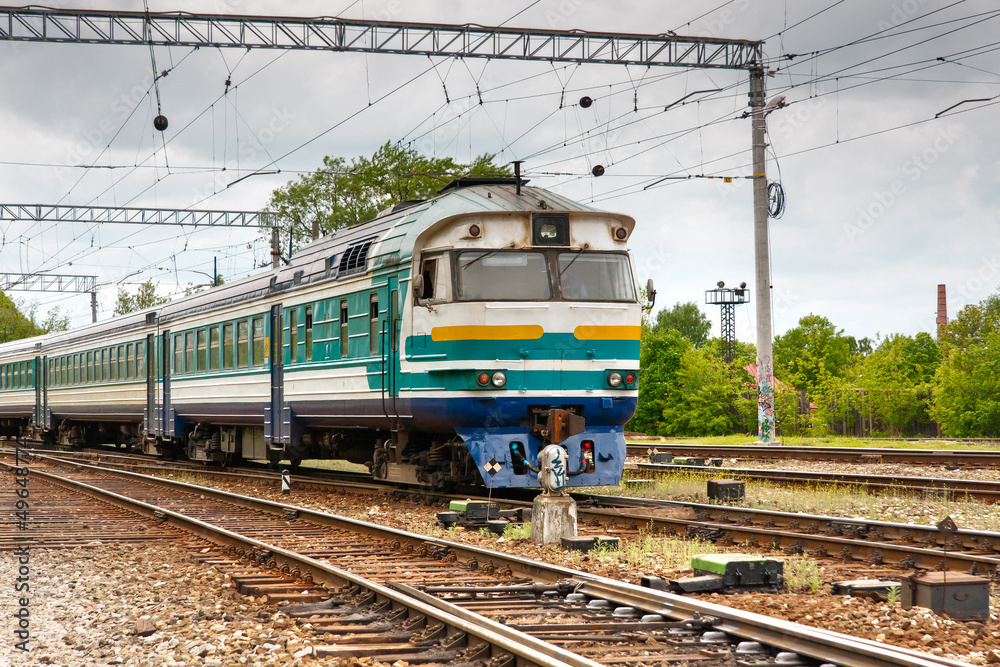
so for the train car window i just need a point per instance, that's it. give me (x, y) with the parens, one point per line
(309, 333)
(189, 353)
(502, 276)
(343, 329)
(31, 374)
(90, 367)
(293, 335)
(257, 348)
(595, 277)
(17, 376)
(76, 369)
(201, 342)
(140, 368)
(227, 347)
(104, 364)
(436, 278)
(130, 361)
(213, 349)
(112, 361)
(242, 344)
(373, 324)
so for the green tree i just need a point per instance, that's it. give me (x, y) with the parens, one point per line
(967, 384)
(659, 357)
(688, 320)
(708, 397)
(896, 381)
(144, 297)
(812, 352)
(15, 324)
(342, 193)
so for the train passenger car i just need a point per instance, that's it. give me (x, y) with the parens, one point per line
(448, 340)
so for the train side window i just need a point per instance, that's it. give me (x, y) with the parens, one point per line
(112, 359)
(227, 347)
(129, 361)
(309, 333)
(242, 344)
(104, 363)
(140, 369)
(31, 374)
(436, 283)
(373, 324)
(201, 344)
(213, 349)
(121, 361)
(257, 348)
(343, 329)
(293, 335)
(90, 367)
(189, 353)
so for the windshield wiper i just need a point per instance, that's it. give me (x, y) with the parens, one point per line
(483, 256)
(578, 255)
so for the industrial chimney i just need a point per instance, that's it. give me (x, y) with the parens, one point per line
(942, 310)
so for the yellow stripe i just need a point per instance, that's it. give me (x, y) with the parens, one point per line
(595, 332)
(487, 332)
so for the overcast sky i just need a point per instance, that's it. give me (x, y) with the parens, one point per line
(884, 201)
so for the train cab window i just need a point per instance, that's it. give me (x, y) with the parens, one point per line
(502, 276)
(293, 336)
(373, 324)
(201, 347)
(227, 347)
(257, 347)
(242, 344)
(343, 329)
(189, 352)
(309, 333)
(595, 277)
(213, 349)
(436, 279)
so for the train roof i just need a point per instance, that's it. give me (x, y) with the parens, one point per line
(380, 243)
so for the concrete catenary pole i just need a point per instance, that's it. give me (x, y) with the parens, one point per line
(765, 361)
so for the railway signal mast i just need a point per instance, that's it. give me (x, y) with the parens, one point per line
(467, 41)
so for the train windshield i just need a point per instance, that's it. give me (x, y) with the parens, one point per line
(595, 277)
(502, 276)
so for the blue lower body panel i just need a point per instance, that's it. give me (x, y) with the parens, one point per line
(495, 444)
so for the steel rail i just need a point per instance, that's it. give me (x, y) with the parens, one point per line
(977, 457)
(984, 490)
(530, 650)
(820, 536)
(805, 640)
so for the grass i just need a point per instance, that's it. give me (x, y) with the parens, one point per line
(802, 574)
(650, 552)
(821, 441)
(517, 531)
(334, 464)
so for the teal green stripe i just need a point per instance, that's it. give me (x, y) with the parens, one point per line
(549, 346)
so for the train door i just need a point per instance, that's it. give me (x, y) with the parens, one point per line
(149, 417)
(390, 351)
(276, 425)
(165, 416)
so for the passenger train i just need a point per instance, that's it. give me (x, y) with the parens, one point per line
(447, 341)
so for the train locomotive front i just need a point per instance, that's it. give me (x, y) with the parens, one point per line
(521, 330)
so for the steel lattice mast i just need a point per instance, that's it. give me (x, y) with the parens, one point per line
(463, 41)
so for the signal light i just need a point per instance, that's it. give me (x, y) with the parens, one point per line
(621, 233)
(630, 378)
(484, 378)
(587, 455)
(475, 231)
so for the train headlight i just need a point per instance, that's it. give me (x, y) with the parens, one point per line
(499, 379)
(615, 379)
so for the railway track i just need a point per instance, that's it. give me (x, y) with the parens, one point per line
(846, 542)
(397, 595)
(940, 457)
(935, 487)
